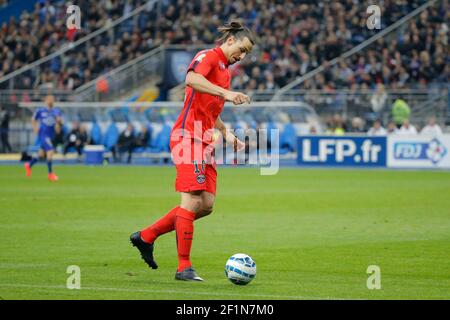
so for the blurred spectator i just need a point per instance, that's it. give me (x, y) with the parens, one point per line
(4, 130)
(143, 137)
(377, 129)
(84, 138)
(336, 126)
(126, 142)
(407, 128)
(400, 112)
(357, 125)
(77, 138)
(58, 139)
(312, 129)
(392, 128)
(378, 100)
(432, 128)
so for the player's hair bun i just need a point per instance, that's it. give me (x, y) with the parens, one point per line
(237, 29)
(236, 25)
(232, 26)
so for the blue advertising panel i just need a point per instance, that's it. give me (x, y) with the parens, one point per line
(341, 151)
(176, 64)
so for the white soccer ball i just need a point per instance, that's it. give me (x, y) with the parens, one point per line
(240, 269)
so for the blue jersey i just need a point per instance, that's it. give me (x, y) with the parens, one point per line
(47, 120)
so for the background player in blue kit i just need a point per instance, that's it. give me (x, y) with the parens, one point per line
(43, 123)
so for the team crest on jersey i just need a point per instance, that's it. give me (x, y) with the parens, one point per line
(221, 65)
(201, 178)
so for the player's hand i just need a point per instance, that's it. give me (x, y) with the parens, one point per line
(238, 144)
(237, 97)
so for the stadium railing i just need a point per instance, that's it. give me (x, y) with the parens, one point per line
(127, 80)
(15, 96)
(130, 77)
(357, 103)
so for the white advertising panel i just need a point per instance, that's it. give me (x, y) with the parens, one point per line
(418, 151)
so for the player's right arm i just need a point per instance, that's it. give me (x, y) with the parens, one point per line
(35, 122)
(199, 69)
(200, 84)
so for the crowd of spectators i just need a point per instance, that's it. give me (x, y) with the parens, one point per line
(337, 125)
(398, 123)
(320, 31)
(294, 37)
(43, 31)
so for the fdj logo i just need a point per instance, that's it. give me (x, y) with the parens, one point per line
(356, 151)
(433, 151)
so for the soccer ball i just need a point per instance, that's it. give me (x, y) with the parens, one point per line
(240, 269)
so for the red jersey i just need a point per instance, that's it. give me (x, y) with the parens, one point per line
(202, 107)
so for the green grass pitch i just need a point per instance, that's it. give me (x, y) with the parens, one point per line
(313, 233)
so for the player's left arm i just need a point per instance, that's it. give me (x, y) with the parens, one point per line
(35, 121)
(229, 136)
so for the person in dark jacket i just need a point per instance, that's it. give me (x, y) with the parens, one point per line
(126, 142)
(143, 137)
(77, 138)
(58, 138)
(4, 128)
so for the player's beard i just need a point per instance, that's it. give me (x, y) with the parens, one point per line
(234, 60)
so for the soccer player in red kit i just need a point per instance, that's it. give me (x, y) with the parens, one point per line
(207, 88)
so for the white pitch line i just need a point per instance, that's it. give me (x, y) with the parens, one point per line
(170, 291)
(23, 265)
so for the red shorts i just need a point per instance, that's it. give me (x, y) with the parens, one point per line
(196, 168)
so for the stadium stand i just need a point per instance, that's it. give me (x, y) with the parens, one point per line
(289, 45)
(38, 33)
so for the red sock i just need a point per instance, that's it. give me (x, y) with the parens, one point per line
(162, 226)
(184, 225)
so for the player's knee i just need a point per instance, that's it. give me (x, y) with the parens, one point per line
(193, 201)
(207, 210)
(196, 204)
